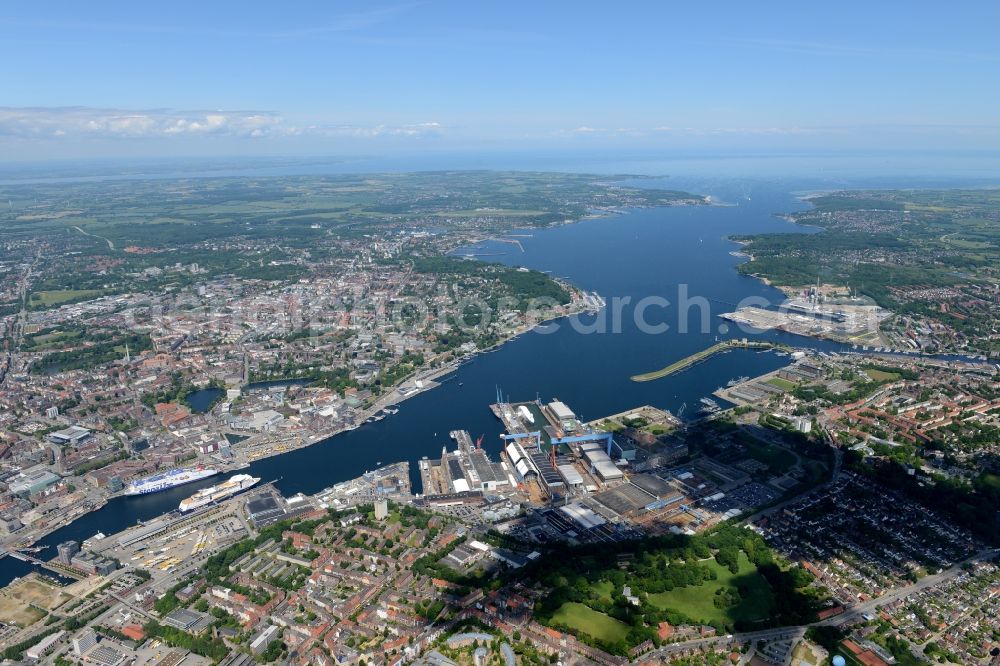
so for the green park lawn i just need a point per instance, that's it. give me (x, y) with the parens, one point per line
(591, 622)
(696, 601)
(881, 375)
(49, 298)
(603, 589)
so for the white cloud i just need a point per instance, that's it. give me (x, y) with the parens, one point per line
(86, 122)
(691, 131)
(57, 122)
(372, 131)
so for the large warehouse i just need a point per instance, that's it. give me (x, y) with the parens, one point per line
(600, 463)
(519, 460)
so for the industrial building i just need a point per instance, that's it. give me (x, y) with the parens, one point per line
(467, 469)
(38, 650)
(643, 492)
(583, 516)
(264, 510)
(485, 473)
(546, 470)
(33, 481)
(571, 476)
(93, 563)
(600, 463)
(524, 468)
(562, 416)
(73, 435)
(191, 621)
(83, 641)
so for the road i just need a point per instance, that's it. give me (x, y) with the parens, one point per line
(853, 614)
(838, 458)
(111, 245)
(779, 633)
(22, 317)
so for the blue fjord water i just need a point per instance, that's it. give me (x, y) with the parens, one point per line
(640, 253)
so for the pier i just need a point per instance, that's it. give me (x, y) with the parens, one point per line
(698, 357)
(53, 566)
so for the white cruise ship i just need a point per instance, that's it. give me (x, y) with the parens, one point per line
(169, 479)
(235, 484)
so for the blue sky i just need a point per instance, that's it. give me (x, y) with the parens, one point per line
(189, 78)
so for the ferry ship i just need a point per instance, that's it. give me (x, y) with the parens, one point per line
(169, 479)
(224, 490)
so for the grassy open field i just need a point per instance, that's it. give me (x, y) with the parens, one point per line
(881, 375)
(50, 298)
(603, 589)
(21, 602)
(805, 654)
(697, 601)
(781, 383)
(590, 622)
(50, 340)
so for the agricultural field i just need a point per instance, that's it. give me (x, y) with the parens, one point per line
(108, 237)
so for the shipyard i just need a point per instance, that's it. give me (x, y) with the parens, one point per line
(611, 478)
(483, 509)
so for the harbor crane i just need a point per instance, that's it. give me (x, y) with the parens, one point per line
(607, 437)
(537, 434)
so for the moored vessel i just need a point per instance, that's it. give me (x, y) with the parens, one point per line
(169, 479)
(233, 485)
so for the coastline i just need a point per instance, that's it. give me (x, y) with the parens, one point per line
(578, 305)
(393, 396)
(268, 443)
(429, 376)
